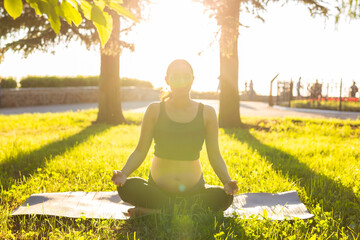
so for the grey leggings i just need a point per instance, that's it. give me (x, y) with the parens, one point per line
(147, 194)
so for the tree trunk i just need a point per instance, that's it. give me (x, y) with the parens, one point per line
(110, 110)
(229, 105)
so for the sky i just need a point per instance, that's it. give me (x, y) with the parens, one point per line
(290, 42)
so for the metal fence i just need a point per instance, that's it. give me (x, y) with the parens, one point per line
(333, 95)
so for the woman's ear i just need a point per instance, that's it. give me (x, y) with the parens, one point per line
(166, 80)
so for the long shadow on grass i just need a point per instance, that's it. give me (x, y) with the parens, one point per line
(24, 164)
(330, 194)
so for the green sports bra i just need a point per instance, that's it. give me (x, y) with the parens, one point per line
(179, 141)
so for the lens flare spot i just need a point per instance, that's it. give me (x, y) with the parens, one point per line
(182, 187)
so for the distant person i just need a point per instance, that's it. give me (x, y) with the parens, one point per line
(354, 90)
(179, 127)
(298, 87)
(291, 88)
(246, 87)
(251, 90)
(315, 90)
(318, 89)
(218, 87)
(312, 91)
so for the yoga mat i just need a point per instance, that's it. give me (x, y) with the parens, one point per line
(280, 206)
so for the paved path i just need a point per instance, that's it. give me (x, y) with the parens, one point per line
(246, 109)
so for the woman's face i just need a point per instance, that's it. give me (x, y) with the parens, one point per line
(178, 80)
(181, 77)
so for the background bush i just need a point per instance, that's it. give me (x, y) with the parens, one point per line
(125, 82)
(79, 81)
(8, 83)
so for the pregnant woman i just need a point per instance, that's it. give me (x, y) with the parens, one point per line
(179, 127)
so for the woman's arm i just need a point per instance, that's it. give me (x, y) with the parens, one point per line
(212, 147)
(142, 148)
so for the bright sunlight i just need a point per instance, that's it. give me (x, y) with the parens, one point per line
(290, 42)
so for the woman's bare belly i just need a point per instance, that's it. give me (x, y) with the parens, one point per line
(174, 175)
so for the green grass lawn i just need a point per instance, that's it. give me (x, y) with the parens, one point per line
(63, 152)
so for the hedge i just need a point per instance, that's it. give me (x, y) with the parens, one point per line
(80, 81)
(53, 81)
(126, 82)
(8, 83)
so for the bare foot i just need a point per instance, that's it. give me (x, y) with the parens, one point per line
(140, 211)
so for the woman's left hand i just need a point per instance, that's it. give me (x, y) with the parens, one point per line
(118, 178)
(231, 187)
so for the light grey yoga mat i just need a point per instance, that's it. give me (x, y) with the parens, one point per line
(275, 206)
(280, 206)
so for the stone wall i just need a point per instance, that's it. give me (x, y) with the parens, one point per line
(214, 95)
(69, 95)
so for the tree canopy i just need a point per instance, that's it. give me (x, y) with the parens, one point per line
(348, 8)
(71, 11)
(31, 31)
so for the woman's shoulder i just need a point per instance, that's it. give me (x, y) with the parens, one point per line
(208, 109)
(153, 110)
(208, 112)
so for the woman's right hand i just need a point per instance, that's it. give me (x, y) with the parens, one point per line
(118, 178)
(231, 187)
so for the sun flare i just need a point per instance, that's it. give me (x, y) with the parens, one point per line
(178, 29)
(290, 42)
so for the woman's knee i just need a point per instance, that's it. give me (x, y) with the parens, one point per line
(130, 187)
(228, 199)
(219, 199)
(123, 193)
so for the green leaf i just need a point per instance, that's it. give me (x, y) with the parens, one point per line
(59, 11)
(54, 18)
(100, 3)
(35, 6)
(86, 9)
(13, 7)
(97, 15)
(53, 2)
(73, 3)
(104, 31)
(55, 24)
(50, 10)
(117, 1)
(70, 13)
(113, 4)
(44, 7)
